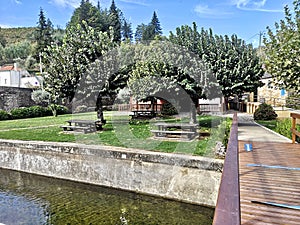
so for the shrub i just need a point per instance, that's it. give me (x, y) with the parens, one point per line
(265, 112)
(41, 97)
(283, 127)
(60, 109)
(4, 115)
(293, 101)
(20, 113)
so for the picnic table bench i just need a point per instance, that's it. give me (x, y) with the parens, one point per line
(84, 126)
(175, 129)
(143, 114)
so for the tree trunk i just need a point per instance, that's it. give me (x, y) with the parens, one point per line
(99, 109)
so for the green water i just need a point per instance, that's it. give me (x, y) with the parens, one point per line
(27, 199)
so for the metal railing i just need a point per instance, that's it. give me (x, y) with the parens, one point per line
(227, 210)
(294, 129)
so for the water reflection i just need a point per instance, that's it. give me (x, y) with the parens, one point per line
(29, 199)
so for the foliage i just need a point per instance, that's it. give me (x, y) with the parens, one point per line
(283, 127)
(168, 109)
(16, 35)
(36, 111)
(2, 39)
(115, 22)
(265, 112)
(66, 64)
(43, 34)
(148, 32)
(4, 115)
(283, 48)
(234, 63)
(88, 13)
(19, 50)
(293, 101)
(40, 97)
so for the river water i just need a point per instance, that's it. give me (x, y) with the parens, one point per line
(27, 199)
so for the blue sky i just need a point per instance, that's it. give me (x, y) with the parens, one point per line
(246, 18)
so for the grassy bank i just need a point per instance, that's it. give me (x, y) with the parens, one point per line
(118, 131)
(281, 126)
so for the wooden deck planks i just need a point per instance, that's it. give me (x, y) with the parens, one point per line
(276, 180)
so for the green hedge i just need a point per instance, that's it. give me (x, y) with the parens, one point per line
(31, 112)
(4, 115)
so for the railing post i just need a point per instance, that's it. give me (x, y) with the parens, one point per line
(293, 129)
(227, 210)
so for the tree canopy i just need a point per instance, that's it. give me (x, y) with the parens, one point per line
(282, 49)
(234, 63)
(66, 64)
(43, 35)
(148, 32)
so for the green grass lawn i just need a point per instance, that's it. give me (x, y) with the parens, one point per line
(281, 126)
(117, 132)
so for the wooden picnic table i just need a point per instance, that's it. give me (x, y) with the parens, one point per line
(138, 114)
(85, 126)
(175, 129)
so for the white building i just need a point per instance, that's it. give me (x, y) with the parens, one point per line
(10, 76)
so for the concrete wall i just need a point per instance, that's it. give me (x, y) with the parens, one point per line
(12, 97)
(180, 177)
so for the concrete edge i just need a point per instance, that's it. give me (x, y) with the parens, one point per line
(279, 135)
(176, 159)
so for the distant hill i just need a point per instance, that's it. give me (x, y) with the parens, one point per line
(14, 35)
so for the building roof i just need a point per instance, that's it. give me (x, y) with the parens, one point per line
(266, 76)
(8, 68)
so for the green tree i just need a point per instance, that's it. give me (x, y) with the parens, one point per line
(88, 13)
(155, 24)
(115, 22)
(43, 34)
(66, 64)
(2, 39)
(150, 31)
(234, 63)
(282, 49)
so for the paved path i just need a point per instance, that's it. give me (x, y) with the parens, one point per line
(250, 131)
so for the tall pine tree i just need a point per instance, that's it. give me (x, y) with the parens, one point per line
(150, 31)
(155, 25)
(43, 34)
(115, 21)
(88, 13)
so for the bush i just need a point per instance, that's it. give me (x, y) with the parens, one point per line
(60, 109)
(41, 97)
(293, 101)
(4, 115)
(283, 127)
(20, 113)
(265, 112)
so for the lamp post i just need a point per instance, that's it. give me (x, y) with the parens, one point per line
(41, 71)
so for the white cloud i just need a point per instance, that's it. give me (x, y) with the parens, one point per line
(253, 5)
(5, 26)
(66, 3)
(206, 11)
(18, 2)
(70, 3)
(136, 2)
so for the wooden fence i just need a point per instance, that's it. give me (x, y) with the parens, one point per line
(294, 130)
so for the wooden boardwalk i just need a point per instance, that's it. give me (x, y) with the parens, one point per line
(269, 173)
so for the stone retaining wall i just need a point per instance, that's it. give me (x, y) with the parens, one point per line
(13, 97)
(185, 178)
